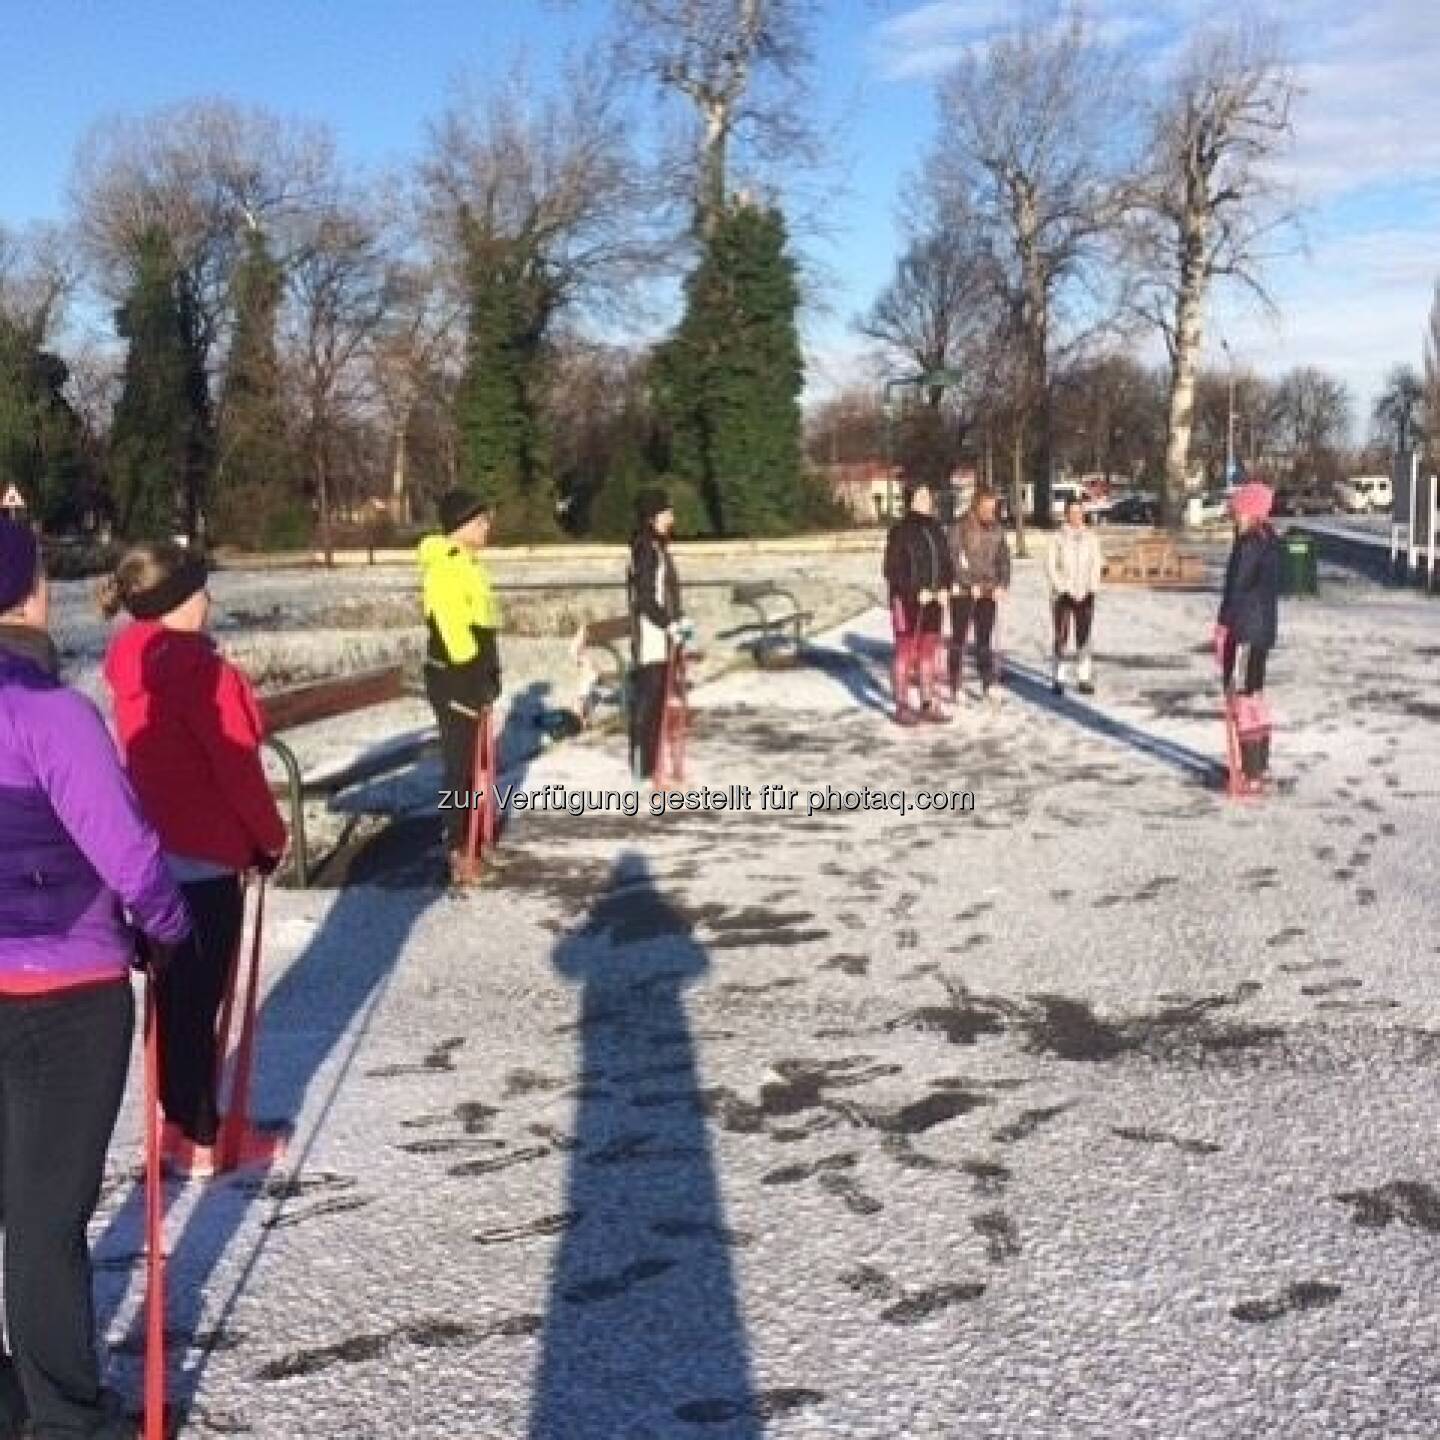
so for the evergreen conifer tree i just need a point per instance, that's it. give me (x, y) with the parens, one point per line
(257, 490)
(729, 380)
(161, 443)
(503, 449)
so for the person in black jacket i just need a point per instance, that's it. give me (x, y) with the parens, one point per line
(1246, 628)
(919, 573)
(656, 624)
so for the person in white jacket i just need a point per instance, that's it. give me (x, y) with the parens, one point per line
(1073, 568)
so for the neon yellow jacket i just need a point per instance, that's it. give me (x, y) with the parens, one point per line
(461, 612)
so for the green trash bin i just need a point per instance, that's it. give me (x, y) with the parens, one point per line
(1301, 573)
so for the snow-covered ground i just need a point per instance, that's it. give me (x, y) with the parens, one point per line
(289, 627)
(1105, 1109)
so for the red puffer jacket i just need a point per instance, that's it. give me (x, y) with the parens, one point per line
(190, 729)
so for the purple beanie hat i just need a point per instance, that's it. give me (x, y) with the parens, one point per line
(19, 563)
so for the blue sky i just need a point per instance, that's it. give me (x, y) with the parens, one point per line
(1365, 167)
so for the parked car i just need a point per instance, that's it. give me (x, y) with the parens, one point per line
(1062, 493)
(1132, 510)
(1363, 493)
(1302, 501)
(1209, 509)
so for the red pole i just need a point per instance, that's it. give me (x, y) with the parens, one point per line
(1232, 745)
(664, 742)
(480, 828)
(154, 1231)
(227, 1005)
(238, 1143)
(488, 779)
(680, 719)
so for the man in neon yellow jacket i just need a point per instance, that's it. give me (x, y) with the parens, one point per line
(462, 662)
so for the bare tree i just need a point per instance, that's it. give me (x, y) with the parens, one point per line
(1029, 147)
(1313, 414)
(38, 276)
(847, 429)
(1109, 416)
(417, 342)
(535, 209)
(555, 178)
(1207, 207)
(337, 286)
(201, 173)
(741, 66)
(1399, 408)
(939, 307)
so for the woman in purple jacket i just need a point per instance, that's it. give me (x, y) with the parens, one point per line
(74, 850)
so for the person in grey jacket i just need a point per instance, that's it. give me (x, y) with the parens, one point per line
(982, 579)
(1072, 566)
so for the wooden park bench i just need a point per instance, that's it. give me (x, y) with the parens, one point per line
(287, 710)
(777, 612)
(1153, 561)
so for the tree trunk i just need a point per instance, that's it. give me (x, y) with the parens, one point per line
(398, 498)
(322, 501)
(713, 160)
(1181, 415)
(1034, 328)
(1017, 489)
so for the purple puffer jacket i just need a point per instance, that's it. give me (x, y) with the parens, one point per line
(73, 844)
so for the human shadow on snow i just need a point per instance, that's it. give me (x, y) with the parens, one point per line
(643, 1330)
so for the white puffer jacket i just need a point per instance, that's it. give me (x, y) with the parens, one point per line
(1074, 563)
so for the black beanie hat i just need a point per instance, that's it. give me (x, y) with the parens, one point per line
(460, 507)
(650, 503)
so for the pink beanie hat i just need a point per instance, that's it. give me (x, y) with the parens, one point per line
(1253, 499)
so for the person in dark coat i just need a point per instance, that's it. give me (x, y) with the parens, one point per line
(919, 573)
(657, 624)
(83, 880)
(1246, 628)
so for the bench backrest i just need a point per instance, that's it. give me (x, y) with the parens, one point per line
(607, 632)
(752, 590)
(326, 699)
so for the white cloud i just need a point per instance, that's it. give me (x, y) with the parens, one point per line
(926, 41)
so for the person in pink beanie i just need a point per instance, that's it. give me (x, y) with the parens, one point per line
(1246, 628)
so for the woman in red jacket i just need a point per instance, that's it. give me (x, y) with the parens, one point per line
(190, 729)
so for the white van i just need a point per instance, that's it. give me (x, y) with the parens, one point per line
(1364, 493)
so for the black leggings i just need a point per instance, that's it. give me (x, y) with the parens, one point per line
(188, 995)
(1255, 657)
(1083, 612)
(63, 1059)
(964, 608)
(456, 720)
(647, 710)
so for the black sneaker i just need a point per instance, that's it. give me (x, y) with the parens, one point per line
(1056, 688)
(1086, 688)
